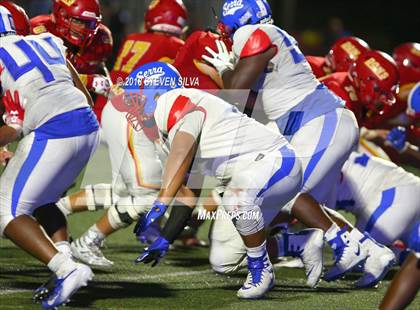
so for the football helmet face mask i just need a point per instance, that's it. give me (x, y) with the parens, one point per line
(344, 53)
(142, 90)
(169, 16)
(77, 21)
(19, 23)
(375, 77)
(238, 13)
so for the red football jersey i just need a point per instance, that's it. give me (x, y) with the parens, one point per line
(197, 73)
(88, 60)
(140, 48)
(318, 65)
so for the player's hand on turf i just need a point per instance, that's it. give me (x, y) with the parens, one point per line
(99, 84)
(14, 114)
(222, 60)
(158, 209)
(397, 138)
(155, 252)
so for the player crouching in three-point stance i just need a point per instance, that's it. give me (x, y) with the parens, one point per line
(60, 132)
(258, 168)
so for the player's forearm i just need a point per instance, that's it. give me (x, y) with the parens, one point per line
(8, 135)
(79, 84)
(177, 165)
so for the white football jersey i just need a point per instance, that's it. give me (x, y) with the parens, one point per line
(222, 131)
(35, 67)
(365, 176)
(288, 79)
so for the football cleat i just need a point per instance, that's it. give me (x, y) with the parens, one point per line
(308, 245)
(66, 286)
(348, 254)
(87, 250)
(380, 260)
(260, 278)
(44, 290)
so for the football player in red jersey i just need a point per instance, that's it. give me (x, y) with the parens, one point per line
(369, 88)
(88, 41)
(165, 23)
(191, 66)
(342, 54)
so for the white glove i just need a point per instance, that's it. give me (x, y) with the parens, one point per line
(222, 60)
(101, 85)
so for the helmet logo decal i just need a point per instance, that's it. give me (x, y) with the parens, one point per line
(89, 14)
(153, 4)
(68, 2)
(415, 51)
(244, 19)
(263, 10)
(377, 69)
(351, 49)
(230, 8)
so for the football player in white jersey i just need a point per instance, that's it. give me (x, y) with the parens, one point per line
(60, 132)
(267, 60)
(257, 167)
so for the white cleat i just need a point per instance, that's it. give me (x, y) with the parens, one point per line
(308, 245)
(88, 251)
(380, 260)
(67, 285)
(348, 254)
(260, 278)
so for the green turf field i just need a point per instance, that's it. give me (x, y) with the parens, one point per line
(182, 281)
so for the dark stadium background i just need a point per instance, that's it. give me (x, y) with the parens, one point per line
(316, 24)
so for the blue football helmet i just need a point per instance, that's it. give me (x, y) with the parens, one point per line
(238, 13)
(413, 102)
(7, 25)
(142, 88)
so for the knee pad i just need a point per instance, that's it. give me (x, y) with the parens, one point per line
(118, 216)
(247, 219)
(100, 196)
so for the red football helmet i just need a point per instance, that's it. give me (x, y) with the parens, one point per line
(407, 56)
(20, 19)
(77, 21)
(344, 53)
(375, 77)
(168, 16)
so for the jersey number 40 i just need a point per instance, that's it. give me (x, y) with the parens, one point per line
(39, 60)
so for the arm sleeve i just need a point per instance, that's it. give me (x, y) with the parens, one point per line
(192, 123)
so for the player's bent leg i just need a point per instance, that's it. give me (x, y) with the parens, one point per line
(122, 214)
(270, 180)
(322, 157)
(227, 253)
(91, 198)
(38, 173)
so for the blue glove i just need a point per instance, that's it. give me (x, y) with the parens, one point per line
(154, 252)
(397, 138)
(158, 209)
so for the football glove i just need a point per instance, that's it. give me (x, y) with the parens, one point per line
(99, 84)
(222, 60)
(396, 138)
(155, 252)
(14, 113)
(158, 209)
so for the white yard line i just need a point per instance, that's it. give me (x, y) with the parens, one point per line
(131, 278)
(163, 275)
(13, 291)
